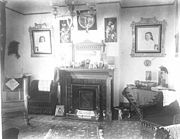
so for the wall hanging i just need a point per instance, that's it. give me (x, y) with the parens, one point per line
(147, 63)
(148, 37)
(13, 48)
(87, 20)
(110, 29)
(41, 40)
(65, 30)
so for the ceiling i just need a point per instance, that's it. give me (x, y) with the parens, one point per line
(41, 6)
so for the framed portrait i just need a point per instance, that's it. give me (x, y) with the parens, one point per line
(86, 21)
(148, 75)
(59, 110)
(110, 29)
(41, 40)
(148, 37)
(65, 30)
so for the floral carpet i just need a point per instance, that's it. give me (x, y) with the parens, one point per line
(50, 127)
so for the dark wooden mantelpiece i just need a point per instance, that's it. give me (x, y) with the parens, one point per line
(100, 77)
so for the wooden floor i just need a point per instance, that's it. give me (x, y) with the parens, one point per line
(42, 126)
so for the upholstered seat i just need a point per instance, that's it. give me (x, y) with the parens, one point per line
(42, 101)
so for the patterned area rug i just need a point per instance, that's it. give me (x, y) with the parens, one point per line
(50, 127)
(122, 130)
(59, 128)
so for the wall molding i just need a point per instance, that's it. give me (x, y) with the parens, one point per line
(146, 6)
(59, 6)
(27, 13)
(100, 3)
(14, 11)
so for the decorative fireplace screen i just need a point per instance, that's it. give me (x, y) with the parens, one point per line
(85, 97)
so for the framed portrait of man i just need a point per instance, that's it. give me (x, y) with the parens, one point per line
(148, 37)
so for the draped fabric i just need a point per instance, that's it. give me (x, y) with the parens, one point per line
(170, 96)
(44, 85)
(174, 131)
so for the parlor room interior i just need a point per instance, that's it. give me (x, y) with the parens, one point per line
(94, 69)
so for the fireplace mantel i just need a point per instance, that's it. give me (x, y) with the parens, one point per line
(89, 73)
(87, 77)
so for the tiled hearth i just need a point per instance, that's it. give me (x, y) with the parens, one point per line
(87, 92)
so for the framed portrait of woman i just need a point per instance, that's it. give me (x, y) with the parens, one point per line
(41, 40)
(148, 37)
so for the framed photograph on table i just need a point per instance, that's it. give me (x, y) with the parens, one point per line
(59, 110)
(148, 37)
(41, 41)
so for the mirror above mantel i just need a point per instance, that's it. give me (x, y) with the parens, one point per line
(89, 54)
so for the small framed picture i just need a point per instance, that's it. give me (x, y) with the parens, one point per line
(110, 29)
(59, 110)
(65, 30)
(148, 76)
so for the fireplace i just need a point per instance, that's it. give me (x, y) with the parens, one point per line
(87, 92)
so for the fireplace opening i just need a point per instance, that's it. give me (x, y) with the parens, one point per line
(85, 97)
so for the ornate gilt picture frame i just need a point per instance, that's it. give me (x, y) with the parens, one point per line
(148, 38)
(41, 40)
